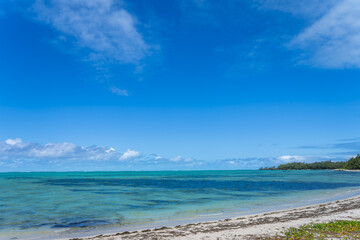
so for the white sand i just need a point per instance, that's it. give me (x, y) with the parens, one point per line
(257, 226)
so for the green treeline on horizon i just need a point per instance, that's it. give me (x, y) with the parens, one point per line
(352, 164)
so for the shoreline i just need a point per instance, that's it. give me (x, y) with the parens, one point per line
(346, 170)
(256, 226)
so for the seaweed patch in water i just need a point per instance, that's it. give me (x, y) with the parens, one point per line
(82, 224)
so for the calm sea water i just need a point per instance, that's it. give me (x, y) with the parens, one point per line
(34, 205)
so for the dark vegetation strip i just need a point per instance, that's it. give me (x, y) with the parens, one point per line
(351, 164)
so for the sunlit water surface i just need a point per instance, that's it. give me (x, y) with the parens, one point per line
(35, 205)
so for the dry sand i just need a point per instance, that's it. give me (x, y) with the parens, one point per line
(258, 226)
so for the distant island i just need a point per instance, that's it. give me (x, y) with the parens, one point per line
(352, 164)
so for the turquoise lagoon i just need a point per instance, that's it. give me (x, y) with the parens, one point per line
(68, 204)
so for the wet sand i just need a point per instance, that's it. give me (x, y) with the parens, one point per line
(346, 170)
(260, 226)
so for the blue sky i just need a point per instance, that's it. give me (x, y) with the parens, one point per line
(182, 84)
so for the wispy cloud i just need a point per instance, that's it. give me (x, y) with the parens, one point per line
(350, 139)
(304, 8)
(176, 159)
(350, 145)
(333, 41)
(120, 92)
(330, 38)
(342, 144)
(343, 149)
(104, 27)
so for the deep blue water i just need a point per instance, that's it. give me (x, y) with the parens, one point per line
(49, 203)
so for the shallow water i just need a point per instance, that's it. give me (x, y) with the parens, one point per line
(56, 204)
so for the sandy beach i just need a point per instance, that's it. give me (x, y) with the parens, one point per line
(260, 226)
(346, 170)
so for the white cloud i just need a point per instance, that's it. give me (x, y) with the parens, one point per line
(120, 92)
(16, 149)
(289, 158)
(102, 26)
(333, 41)
(130, 154)
(13, 141)
(18, 155)
(110, 150)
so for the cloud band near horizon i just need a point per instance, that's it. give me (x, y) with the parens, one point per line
(16, 155)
